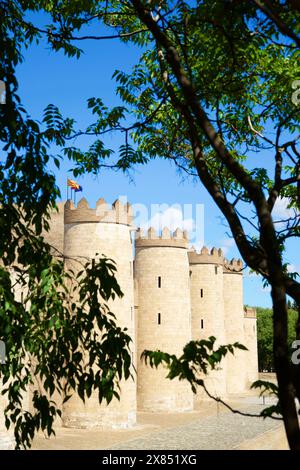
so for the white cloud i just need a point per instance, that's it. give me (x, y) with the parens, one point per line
(293, 268)
(187, 217)
(281, 210)
(226, 244)
(172, 218)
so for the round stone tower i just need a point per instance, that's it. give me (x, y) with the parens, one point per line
(206, 279)
(7, 441)
(87, 232)
(234, 321)
(250, 341)
(164, 316)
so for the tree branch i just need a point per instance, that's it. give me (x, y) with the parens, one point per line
(192, 101)
(259, 133)
(267, 10)
(234, 410)
(69, 37)
(268, 239)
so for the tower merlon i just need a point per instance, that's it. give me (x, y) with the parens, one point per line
(150, 238)
(118, 213)
(249, 312)
(235, 266)
(214, 256)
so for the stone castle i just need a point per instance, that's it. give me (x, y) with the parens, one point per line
(172, 294)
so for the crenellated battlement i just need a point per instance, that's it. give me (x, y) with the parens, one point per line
(116, 213)
(172, 294)
(214, 256)
(235, 266)
(167, 238)
(249, 312)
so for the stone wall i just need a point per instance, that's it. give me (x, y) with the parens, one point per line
(234, 325)
(164, 317)
(206, 286)
(250, 341)
(171, 295)
(89, 232)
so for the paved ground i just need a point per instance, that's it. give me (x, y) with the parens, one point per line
(221, 431)
(212, 427)
(269, 440)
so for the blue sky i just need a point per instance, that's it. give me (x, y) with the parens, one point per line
(47, 77)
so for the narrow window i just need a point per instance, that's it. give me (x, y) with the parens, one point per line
(159, 318)
(22, 297)
(201, 293)
(216, 269)
(131, 311)
(159, 282)
(202, 324)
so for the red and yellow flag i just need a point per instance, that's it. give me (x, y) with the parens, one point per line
(72, 184)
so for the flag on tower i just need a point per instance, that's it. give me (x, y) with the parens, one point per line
(73, 185)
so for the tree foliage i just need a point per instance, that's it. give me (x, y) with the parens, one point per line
(212, 92)
(198, 357)
(265, 337)
(59, 345)
(56, 344)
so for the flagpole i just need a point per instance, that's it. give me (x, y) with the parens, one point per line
(74, 187)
